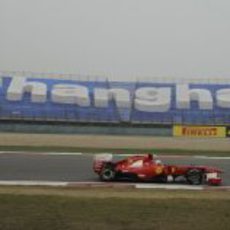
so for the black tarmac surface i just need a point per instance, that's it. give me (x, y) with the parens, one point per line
(42, 167)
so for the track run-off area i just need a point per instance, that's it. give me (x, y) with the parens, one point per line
(75, 169)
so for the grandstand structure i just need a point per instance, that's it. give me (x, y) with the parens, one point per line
(49, 99)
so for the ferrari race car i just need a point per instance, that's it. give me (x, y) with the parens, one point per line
(147, 168)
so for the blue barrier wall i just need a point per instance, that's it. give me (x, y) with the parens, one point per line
(25, 109)
(54, 111)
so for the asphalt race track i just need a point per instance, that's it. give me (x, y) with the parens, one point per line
(78, 168)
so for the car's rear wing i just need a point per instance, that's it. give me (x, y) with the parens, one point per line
(105, 157)
(100, 160)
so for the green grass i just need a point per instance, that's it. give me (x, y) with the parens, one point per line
(114, 150)
(71, 209)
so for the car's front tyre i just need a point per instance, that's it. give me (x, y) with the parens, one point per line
(195, 176)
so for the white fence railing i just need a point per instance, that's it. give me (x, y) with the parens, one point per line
(79, 77)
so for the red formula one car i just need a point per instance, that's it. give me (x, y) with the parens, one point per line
(148, 168)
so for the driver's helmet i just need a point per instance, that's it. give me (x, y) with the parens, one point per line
(158, 162)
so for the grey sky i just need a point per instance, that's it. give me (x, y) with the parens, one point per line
(117, 38)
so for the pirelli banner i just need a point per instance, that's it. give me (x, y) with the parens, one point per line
(199, 131)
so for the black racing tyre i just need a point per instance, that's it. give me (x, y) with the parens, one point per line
(107, 173)
(194, 176)
(160, 179)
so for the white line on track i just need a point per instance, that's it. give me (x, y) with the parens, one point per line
(43, 153)
(180, 156)
(110, 185)
(169, 187)
(34, 183)
(118, 155)
(63, 153)
(211, 158)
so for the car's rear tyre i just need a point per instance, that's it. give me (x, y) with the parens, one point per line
(107, 173)
(160, 179)
(195, 176)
